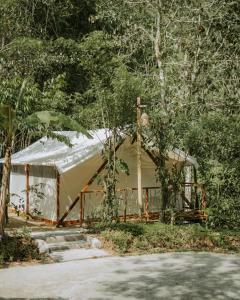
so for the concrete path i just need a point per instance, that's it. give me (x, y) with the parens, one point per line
(159, 276)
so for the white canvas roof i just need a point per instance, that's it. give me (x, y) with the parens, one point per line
(47, 151)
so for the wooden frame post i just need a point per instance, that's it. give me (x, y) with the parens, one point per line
(139, 162)
(57, 195)
(204, 198)
(147, 204)
(81, 209)
(195, 187)
(125, 207)
(27, 209)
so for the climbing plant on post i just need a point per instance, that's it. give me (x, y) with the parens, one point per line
(161, 135)
(118, 111)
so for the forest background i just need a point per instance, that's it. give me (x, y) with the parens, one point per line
(91, 59)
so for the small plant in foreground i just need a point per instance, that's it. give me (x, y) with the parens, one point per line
(120, 239)
(18, 247)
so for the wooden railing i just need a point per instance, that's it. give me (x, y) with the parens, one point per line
(147, 195)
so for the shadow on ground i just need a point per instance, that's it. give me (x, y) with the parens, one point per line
(208, 276)
(33, 298)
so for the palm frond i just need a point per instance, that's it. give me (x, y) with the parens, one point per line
(56, 120)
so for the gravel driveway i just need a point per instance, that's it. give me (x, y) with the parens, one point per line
(159, 276)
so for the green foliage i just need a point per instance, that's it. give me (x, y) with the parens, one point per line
(52, 119)
(19, 115)
(224, 213)
(89, 60)
(115, 90)
(45, 19)
(7, 116)
(133, 229)
(18, 247)
(120, 239)
(158, 237)
(112, 88)
(217, 152)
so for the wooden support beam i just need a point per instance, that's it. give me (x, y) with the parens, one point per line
(204, 198)
(90, 181)
(99, 170)
(68, 210)
(194, 184)
(27, 209)
(195, 187)
(85, 188)
(125, 207)
(190, 205)
(81, 209)
(57, 195)
(147, 204)
(139, 161)
(149, 153)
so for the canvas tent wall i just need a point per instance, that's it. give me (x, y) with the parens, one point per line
(38, 183)
(47, 176)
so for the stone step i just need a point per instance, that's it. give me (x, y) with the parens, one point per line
(60, 246)
(77, 254)
(46, 234)
(66, 238)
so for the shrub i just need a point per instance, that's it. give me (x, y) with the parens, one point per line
(119, 239)
(132, 228)
(141, 243)
(225, 214)
(162, 237)
(17, 247)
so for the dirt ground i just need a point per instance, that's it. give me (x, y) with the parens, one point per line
(19, 222)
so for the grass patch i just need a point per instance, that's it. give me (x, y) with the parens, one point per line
(16, 247)
(151, 238)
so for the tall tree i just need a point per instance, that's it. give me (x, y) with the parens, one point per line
(13, 119)
(188, 54)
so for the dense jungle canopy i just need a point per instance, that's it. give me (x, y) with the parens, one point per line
(90, 59)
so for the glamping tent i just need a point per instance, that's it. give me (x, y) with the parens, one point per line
(56, 183)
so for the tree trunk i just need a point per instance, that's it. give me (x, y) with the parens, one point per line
(110, 180)
(165, 200)
(4, 188)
